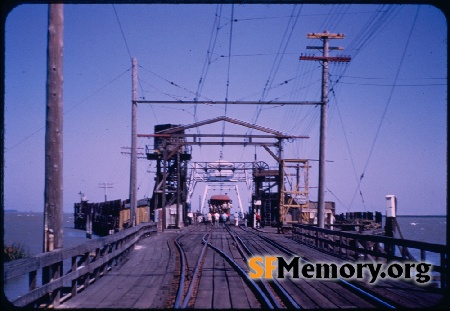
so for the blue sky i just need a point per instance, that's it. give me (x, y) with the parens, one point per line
(387, 112)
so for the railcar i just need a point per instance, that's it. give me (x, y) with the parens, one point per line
(220, 203)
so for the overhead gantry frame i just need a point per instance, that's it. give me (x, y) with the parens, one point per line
(174, 140)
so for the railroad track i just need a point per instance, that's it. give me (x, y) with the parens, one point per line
(214, 273)
(198, 270)
(349, 291)
(229, 245)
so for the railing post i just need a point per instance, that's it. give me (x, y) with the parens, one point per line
(422, 255)
(74, 282)
(366, 248)
(32, 280)
(103, 268)
(57, 272)
(376, 249)
(346, 247)
(96, 258)
(317, 238)
(87, 260)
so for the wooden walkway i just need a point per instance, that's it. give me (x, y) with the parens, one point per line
(148, 278)
(144, 279)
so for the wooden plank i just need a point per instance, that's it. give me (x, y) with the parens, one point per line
(166, 287)
(117, 287)
(340, 296)
(399, 292)
(204, 296)
(242, 296)
(222, 291)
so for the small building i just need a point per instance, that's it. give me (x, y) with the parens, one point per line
(309, 214)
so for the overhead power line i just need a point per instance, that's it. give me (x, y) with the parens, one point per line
(391, 92)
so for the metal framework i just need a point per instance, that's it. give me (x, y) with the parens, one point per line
(170, 152)
(210, 102)
(295, 190)
(219, 176)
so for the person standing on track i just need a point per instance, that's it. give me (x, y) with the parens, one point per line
(190, 215)
(224, 218)
(258, 221)
(216, 219)
(236, 219)
(209, 218)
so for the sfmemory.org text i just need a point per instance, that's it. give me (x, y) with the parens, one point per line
(279, 267)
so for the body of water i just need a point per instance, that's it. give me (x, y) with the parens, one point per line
(431, 229)
(26, 229)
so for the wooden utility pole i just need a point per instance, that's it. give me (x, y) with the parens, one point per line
(106, 185)
(53, 189)
(323, 110)
(133, 165)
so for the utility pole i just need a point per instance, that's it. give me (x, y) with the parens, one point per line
(53, 186)
(325, 36)
(53, 191)
(105, 186)
(133, 165)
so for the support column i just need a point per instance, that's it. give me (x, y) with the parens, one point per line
(323, 110)
(323, 137)
(53, 191)
(133, 165)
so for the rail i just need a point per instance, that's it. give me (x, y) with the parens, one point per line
(89, 261)
(265, 301)
(245, 251)
(184, 279)
(354, 246)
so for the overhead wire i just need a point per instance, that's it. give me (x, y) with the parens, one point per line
(209, 52)
(379, 20)
(373, 27)
(388, 102)
(228, 72)
(269, 86)
(331, 22)
(352, 162)
(70, 109)
(278, 59)
(121, 30)
(207, 64)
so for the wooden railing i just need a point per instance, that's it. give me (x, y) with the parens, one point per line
(89, 261)
(356, 246)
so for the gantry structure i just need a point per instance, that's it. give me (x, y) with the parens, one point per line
(274, 191)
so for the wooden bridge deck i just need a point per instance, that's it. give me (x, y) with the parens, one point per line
(144, 279)
(148, 278)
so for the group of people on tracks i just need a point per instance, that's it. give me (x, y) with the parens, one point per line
(215, 219)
